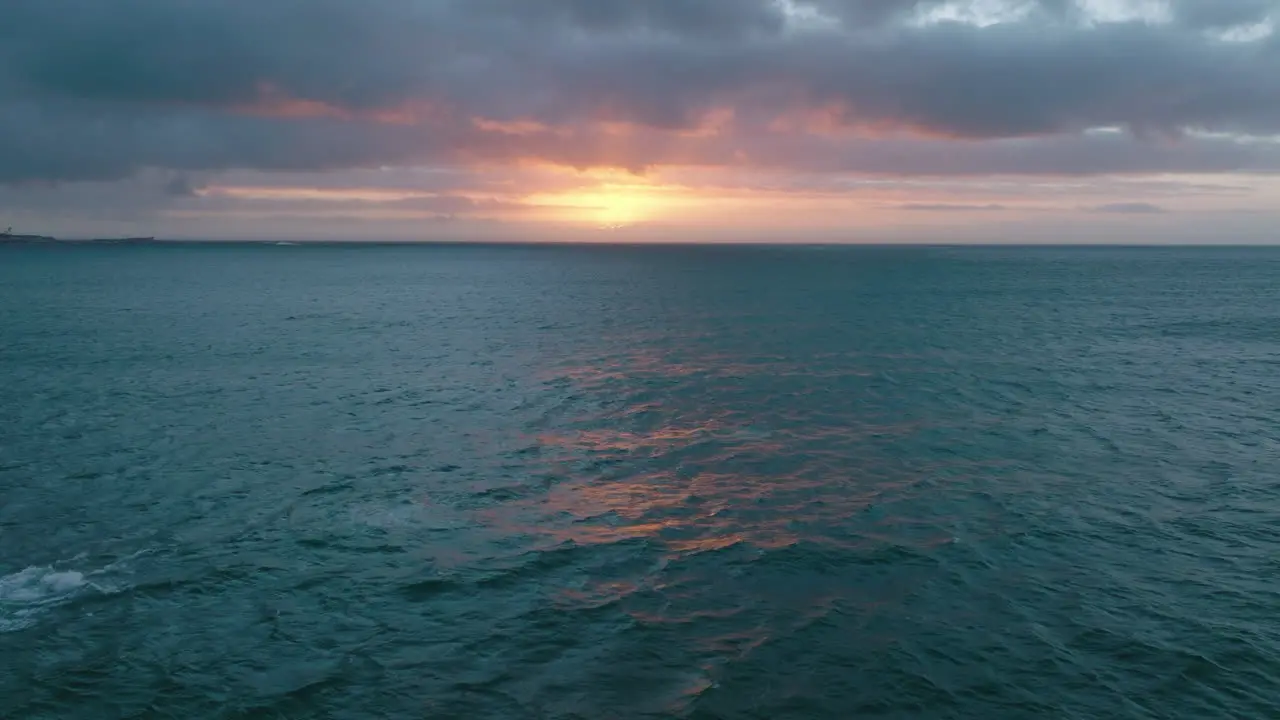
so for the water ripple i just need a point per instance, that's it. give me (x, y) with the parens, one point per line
(615, 483)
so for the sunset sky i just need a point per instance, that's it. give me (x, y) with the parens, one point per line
(752, 120)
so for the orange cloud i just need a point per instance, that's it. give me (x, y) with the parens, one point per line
(843, 120)
(275, 103)
(341, 194)
(516, 127)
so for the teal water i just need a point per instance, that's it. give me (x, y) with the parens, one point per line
(589, 482)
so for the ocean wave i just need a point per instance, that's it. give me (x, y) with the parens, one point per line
(30, 593)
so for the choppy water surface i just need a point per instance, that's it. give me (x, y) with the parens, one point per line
(486, 482)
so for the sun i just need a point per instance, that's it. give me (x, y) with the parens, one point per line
(607, 206)
(614, 207)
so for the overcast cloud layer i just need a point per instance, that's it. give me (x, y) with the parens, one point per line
(99, 91)
(92, 89)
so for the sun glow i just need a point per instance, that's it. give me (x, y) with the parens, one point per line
(609, 205)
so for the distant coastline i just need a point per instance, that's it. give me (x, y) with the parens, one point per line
(8, 236)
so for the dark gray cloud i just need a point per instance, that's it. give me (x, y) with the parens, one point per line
(1222, 13)
(99, 90)
(703, 19)
(180, 186)
(868, 13)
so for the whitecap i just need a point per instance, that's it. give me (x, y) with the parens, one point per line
(37, 584)
(27, 594)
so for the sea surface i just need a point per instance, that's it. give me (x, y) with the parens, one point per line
(256, 481)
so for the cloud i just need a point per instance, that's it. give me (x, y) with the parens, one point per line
(180, 186)
(95, 91)
(948, 207)
(1222, 13)
(1131, 208)
(282, 200)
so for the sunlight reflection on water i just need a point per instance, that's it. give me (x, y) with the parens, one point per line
(618, 482)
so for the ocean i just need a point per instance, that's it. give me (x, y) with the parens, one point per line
(335, 481)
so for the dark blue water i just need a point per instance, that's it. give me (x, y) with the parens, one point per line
(557, 482)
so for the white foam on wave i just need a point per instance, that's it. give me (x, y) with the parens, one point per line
(28, 593)
(38, 584)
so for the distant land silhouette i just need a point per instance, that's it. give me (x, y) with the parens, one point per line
(9, 236)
